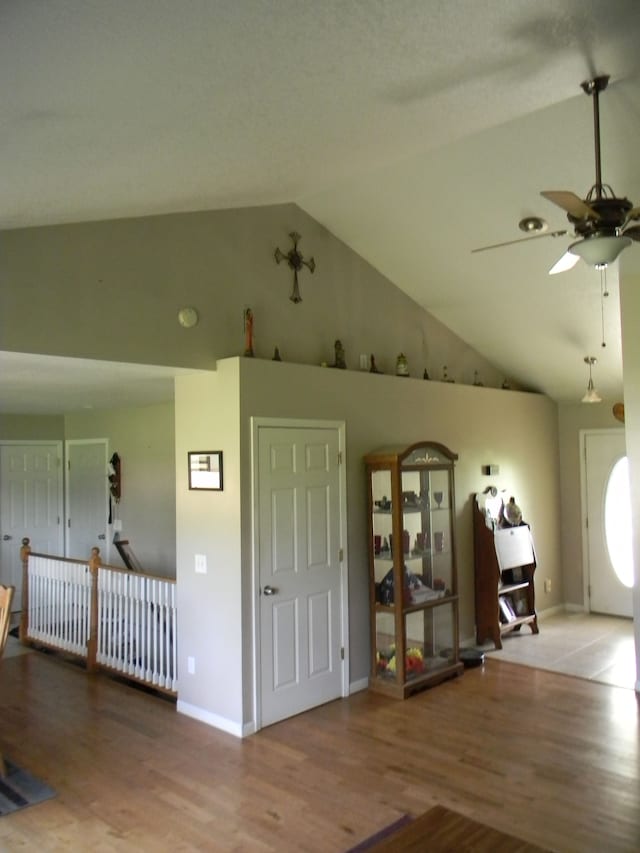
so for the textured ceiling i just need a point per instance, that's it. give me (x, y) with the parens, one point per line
(415, 131)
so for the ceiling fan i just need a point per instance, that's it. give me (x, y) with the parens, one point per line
(601, 220)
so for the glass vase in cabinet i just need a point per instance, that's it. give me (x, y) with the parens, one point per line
(412, 568)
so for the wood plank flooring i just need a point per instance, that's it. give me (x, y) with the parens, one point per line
(551, 759)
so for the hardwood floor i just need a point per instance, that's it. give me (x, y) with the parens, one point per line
(551, 759)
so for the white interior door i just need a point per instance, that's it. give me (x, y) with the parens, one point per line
(608, 534)
(30, 505)
(87, 498)
(299, 571)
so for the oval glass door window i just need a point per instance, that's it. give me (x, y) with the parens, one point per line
(617, 521)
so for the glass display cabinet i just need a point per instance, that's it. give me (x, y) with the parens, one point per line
(412, 568)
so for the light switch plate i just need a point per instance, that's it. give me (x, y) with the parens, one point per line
(201, 564)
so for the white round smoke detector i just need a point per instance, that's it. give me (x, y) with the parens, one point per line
(188, 317)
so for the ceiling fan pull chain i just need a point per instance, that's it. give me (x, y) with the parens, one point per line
(603, 292)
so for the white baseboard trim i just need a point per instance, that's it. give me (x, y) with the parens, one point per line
(559, 609)
(357, 686)
(550, 611)
(214, 719)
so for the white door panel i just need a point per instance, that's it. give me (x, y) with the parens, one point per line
(299, 562)
(87, 498)
(30, 506)
(607, 593)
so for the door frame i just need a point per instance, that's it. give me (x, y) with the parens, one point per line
(582, 437)
(258, 423)
(104, 552)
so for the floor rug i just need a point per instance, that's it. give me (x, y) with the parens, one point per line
(385, 832)
(19, 789)
(441, 830)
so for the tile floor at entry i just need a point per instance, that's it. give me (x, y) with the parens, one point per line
(587, 645)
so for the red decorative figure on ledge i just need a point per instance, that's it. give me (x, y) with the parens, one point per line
(248, 332)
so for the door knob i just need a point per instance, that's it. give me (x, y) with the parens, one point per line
(6, 537)
(101, 536)
(269, 590)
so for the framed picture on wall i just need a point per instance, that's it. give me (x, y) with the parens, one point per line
(205, 470)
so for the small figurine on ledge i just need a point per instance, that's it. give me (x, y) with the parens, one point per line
(248, 333)
(339, 357)
(445, 375)
(374, 367)
(402, 365)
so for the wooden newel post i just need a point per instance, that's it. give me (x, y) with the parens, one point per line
(92, 647)
(25, 550)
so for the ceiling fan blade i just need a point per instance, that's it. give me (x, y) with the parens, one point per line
(519, 240)
(633, 231)
(571, 203)
(566, 262)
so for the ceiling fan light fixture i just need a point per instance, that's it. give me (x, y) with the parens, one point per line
(600, 250)
(591, 395)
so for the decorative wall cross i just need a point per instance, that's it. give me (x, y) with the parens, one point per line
(296, 262)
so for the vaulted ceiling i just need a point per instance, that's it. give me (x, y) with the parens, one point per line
(415, 131)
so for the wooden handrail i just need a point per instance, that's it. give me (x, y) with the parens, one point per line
(120, 569)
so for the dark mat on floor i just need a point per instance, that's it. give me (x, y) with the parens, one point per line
(19, 789)
(383, 833)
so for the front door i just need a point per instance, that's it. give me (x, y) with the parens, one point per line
(299, 569)
(30, 505)
(610, 561)
(87, 498)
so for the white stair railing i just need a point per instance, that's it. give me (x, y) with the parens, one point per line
(59, 603)
(136, 626)
(122, 621)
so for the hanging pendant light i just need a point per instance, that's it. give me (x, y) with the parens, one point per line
(591, 395)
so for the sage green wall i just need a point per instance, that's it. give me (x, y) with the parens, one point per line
(630, 305)
(211, 629)
(122, 282)
(515, 430)
(144, 438)
(31, 427)
(572, 419)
